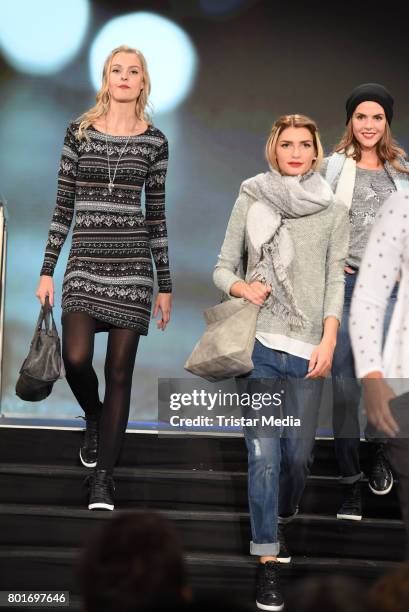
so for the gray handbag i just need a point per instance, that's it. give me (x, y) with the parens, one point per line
(43, 364)
(226, 346)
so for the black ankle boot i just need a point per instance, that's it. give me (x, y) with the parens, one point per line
(351, 508)
(102, 489)
(380, 480)
(89, 448)
(268, 592)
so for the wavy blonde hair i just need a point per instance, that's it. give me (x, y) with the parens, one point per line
(387, 148)
(296, 121)
(102, 98)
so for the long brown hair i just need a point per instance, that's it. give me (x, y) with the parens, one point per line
(387, 148)
(102, 98)
(296, 121)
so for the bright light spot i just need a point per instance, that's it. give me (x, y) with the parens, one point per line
(168, 50)
(40, 37)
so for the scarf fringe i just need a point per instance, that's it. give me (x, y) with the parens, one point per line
(290, 313)
(282, 312)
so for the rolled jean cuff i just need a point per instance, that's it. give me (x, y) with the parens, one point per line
(282, 520)
(351, 479)
(265, 550)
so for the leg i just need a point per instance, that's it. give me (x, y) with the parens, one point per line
(78, 331)
(346, 401)
(380, 477)
(303, 399)
(263, 482)
(346, 398)
(263, 470)
(263, 456)
(302, 402)
(119, 365)
(78, 348)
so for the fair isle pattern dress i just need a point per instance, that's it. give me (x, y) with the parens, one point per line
(109, 274)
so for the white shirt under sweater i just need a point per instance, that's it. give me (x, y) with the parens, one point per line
(386, 254)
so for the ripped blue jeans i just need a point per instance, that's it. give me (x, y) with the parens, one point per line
(278, 461)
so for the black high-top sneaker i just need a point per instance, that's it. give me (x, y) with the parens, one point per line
(351, 507)
(268, 593)
(102, 489)
(284, 555)
(380, 480)
(89, 447)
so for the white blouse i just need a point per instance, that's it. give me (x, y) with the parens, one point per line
(386, 255)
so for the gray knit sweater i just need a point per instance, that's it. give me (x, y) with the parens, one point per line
(317, 271)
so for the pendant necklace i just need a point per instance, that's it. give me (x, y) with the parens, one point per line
(111, 181)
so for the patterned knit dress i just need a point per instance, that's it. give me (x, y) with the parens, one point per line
(109, 274)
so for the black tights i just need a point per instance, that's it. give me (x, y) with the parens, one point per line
(78, 348)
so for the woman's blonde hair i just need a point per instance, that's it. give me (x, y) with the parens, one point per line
(102, 105)
(296, 121)
(387, 148)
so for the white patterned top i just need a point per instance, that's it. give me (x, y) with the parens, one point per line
(386, 255)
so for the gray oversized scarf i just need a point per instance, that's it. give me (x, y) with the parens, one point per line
(277, 199)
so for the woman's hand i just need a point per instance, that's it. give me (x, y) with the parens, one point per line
(349, 270)
(164, 304)
(255, 292)
(45, 287)
(321, 359)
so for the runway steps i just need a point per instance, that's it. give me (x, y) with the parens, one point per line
(199, 483)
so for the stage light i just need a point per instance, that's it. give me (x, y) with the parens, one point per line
(41, 37)
(170, 54)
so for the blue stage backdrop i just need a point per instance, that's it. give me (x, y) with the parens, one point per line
(222, 71)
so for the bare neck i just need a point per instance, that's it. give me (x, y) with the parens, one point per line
(121, 120)
(369, 159)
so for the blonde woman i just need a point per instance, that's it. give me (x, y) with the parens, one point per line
(109, 155)
(365, 169)
(294, 236)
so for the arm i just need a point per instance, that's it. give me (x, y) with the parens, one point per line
(334, 266)
(63, 214)
(158, 237)
(155, 217)
(64, 209)
(321, 358)
(377, 276)
(229, 262)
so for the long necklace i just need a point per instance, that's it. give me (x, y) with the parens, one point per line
(111, 181)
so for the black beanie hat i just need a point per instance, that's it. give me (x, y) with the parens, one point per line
(370, 92)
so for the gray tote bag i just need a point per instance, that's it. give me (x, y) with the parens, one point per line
(226, 346)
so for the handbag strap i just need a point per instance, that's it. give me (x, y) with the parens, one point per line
(46, 316)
